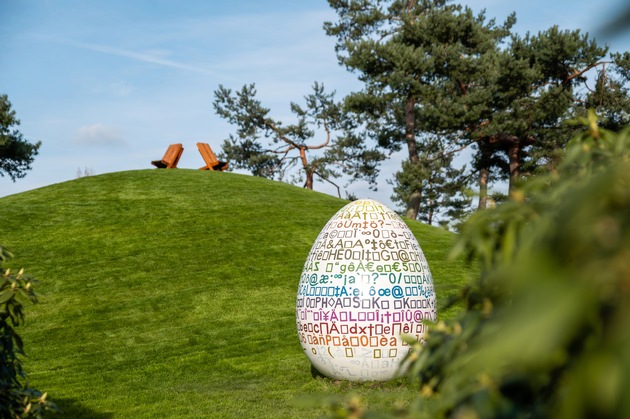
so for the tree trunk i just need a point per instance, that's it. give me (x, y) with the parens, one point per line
(309, 180)
(483, 188)
(308, 172)
(413, 206)
(484, 174)
(514, 156)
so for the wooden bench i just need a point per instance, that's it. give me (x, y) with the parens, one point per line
(171, 157)
(212, 163)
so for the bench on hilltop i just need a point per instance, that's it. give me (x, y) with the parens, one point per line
(171, 157)
(212, 163)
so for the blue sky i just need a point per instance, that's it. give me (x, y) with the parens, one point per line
(107, 85)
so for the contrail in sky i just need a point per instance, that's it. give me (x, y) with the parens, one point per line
(147, 58)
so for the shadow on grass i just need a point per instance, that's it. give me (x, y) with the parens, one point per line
(71, 408)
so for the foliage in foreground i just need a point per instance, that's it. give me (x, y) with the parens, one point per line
(16, 399)
(546, 332)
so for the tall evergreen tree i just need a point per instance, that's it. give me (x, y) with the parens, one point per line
(411, 56)
(541, 82)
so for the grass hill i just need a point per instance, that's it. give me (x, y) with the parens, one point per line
(171, 293)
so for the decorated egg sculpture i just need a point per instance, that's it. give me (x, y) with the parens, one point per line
(365, 283)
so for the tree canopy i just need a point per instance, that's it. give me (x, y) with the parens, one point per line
(16, 153)
(432, 69)
(415, 59)
(539, 83)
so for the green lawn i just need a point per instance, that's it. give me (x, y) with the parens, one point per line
(171, 293)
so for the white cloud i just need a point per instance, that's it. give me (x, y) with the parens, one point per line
(98, 134)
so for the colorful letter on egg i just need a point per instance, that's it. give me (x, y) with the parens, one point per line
(365, 283)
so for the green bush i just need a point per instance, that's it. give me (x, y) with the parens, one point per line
(546, 329)
(16, 400)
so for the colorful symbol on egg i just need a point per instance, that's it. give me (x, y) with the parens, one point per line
(365, 283)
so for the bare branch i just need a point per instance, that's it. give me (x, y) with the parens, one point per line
(272, 126)
(578, 73)
(325, 143)
(329, 181)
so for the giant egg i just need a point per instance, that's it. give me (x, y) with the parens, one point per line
(365, 284)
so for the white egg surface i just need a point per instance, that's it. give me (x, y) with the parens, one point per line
(365, 283)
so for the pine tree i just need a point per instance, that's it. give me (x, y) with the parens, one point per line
(540, 82)
(269, 148)
(417, 61)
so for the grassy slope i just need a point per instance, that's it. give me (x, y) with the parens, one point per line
(172, 293)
